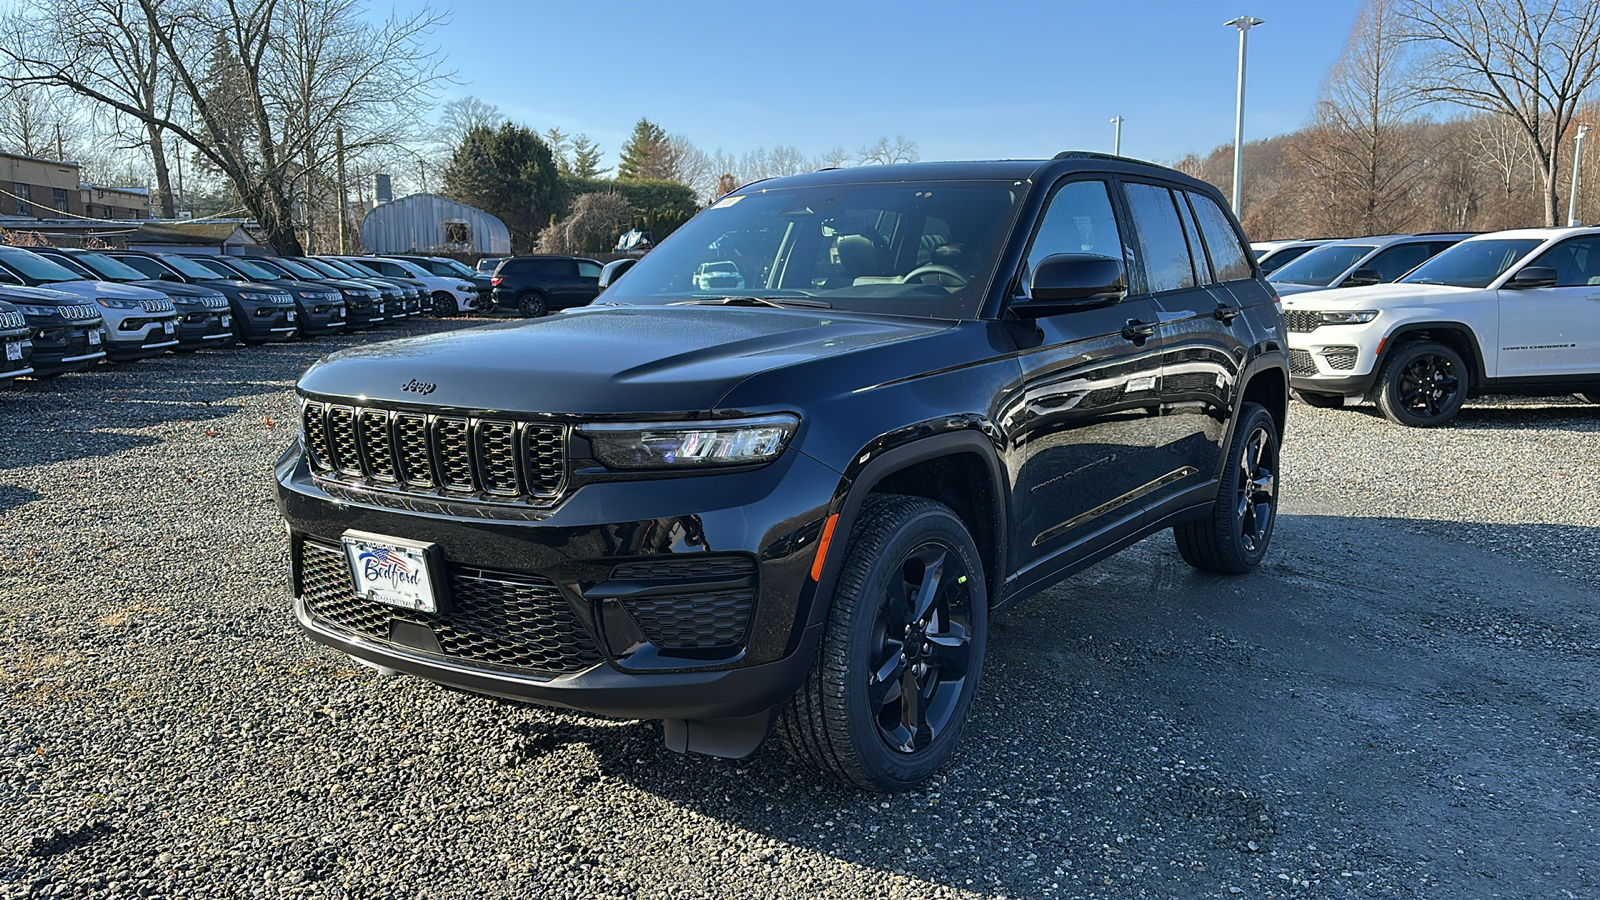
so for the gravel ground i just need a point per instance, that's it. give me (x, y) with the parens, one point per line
(1400, 704)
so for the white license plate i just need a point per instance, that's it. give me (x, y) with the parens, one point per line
(226, 321)
(291, 315)
(390, 571)
(167, 326)
(13, 350)
(94, 338)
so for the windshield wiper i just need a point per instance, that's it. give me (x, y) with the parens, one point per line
(764, 301)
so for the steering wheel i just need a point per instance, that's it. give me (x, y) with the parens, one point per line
(948, 277)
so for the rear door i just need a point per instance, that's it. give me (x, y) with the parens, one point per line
(1081, 430)
(1553, 331)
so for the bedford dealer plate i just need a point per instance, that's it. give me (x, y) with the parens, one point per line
(390, 571)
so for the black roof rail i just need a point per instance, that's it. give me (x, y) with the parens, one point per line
(1090, 154)
(1434, 233)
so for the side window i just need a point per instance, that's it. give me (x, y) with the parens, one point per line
(1398, 260)
(1079, 219)
(1577, 262)
(1166, 255)
(561, 268)
(1191, 233)
(588, 269)
(1229, 258)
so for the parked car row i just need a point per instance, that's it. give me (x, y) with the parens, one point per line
(64, 310)
(1513, 312)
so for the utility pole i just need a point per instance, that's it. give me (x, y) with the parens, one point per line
(177, 208)
(61, 155)
(344, 213)
(1244, 24)
(1577, 173)
(1116, 141)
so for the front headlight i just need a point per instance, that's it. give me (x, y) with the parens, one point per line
(358, 294)
(113, 303)
(467, 288)
(1347, 317)
(36, 310)
(668, 445)
(258, 297)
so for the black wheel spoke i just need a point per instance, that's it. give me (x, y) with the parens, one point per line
(928, 591)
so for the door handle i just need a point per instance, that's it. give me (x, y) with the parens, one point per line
(1225, 314)
(1138, 331)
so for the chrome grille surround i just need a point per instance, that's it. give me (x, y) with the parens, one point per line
(157, 306)
(12, 320)
(491, 459)
(74, 313)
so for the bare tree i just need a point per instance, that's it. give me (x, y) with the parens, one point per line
(1529, 60)
(33, 119)
(887, 153)
(1363, 162)
(836, 157)
(267, 83)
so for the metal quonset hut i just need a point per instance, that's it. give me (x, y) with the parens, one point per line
(429, 223)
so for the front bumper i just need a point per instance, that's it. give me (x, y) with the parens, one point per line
(329, 321)
(204, 328)
(266, 322)
(66, 349)
(1335, 359)
(23, 344)
(140, 337)
(670, 599)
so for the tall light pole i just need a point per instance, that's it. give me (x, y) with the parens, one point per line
(1577, 172)
(1116, 142)
(1244, 24)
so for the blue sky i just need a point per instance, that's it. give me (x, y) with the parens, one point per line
(967, 80)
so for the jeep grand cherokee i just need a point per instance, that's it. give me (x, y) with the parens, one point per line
(795, 504)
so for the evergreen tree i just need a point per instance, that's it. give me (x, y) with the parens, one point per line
(647, 154)
(586, 158)
(509, 173)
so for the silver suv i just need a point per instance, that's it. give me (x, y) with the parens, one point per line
(139, 322)
(1360, 261)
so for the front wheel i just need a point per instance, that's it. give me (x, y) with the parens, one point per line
(1234, 538)
(1423, 385)
(900, 659)
(444, 305)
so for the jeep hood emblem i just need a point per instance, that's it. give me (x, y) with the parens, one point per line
(419, 387)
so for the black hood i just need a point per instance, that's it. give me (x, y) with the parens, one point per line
(602, 360)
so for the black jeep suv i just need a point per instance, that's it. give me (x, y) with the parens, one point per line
(795, 504)
(535, 285)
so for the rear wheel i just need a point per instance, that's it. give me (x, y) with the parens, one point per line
(900, 659)
(444, 305)
(1234, 538)
(533, 305)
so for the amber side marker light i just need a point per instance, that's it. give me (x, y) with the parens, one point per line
(822, 547)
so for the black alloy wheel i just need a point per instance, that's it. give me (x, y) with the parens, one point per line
(922, 648)
(1423, 385)
(444, 305)
(1234, 538)
(533, 305)
(899, 662)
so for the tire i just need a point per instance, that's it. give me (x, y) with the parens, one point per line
(1320, 401)
(1423, 385)
(533, 305)
(847, 722)
(1589, 398)
(444, 305)
(1235, 537)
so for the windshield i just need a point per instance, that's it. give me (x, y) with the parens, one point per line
(410, 268)
(1472, 263)
(296, 269)
(36, 267)
(907, 248)
(454, 267)
(344, 269)
(1321, 266)
(192, 269)
(366, 271)
(325, 270)
(256, 272)
(108, 268)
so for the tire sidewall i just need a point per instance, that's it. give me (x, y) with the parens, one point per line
(1389, 399)
(535, 300)
(892, 769)
(1257, 417)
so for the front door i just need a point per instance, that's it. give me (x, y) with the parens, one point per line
(1553, 331)
(1084, 428)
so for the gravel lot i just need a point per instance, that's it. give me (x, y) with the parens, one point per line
(1400, 704)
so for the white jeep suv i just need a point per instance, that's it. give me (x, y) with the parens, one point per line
(1514, 312)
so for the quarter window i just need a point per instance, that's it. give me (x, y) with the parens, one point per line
(1191, 233)
(1229, 258)
(1079, 219)
(1166, 255)
(588, 269)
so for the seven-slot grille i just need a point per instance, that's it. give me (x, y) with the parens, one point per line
(217, 302)
(157, 306)
(12, 320)
(1302, 319)
(468, 456)
(75, 313)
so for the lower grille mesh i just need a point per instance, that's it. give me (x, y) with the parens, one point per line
(1301, 363)
(494, 618)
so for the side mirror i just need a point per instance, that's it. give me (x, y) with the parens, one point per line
(1064, 282)
(1533, 277)
(168, 276)
(1362, 278)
